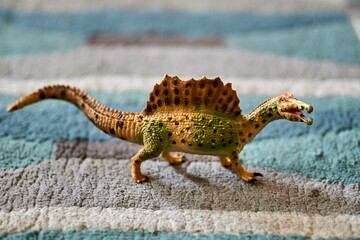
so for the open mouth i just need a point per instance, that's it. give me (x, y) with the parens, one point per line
(297, 114)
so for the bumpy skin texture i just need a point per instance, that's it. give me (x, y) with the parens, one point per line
(195, 116)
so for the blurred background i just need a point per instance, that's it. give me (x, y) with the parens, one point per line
(63, 173)
(254, 40)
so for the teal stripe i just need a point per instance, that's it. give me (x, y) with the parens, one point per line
(39, 32)
(333, 42)
(112, 234)
(20, 153)
(56, 120)
(164, 22)
(334, 156)
(17, 40)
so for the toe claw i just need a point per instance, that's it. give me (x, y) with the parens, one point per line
(143, 179)
(258, 174)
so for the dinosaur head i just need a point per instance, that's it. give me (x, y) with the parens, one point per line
(291, 109)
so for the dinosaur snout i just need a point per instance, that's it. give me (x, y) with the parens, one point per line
(309, 108)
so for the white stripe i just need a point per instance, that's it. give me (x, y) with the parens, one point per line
(192, 221)
(187, 5)
(243, 86)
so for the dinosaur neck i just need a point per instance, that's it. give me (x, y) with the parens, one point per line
(260, 117)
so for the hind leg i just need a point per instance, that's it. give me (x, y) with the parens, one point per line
(173, 158)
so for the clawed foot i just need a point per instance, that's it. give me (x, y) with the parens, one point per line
(243, 174)
(250, 177)
(173, 159)
(140, 178)
(177, 159)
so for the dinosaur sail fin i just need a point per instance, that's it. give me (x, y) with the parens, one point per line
(206, 95)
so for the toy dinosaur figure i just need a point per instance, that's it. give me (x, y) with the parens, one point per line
(195, 116)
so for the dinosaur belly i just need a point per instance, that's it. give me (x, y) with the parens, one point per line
(207, 135)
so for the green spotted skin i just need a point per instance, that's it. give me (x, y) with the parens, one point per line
(195, 116)
(206, 134)
(195, 133)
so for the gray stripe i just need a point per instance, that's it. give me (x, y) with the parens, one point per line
(97, 150)
(181, 61)
(150, 40)
(192, 185)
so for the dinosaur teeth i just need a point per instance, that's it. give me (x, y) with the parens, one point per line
(299, 114)
(305, 119)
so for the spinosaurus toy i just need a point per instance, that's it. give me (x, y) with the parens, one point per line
(194, 116)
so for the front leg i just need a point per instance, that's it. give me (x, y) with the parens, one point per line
(225, 161)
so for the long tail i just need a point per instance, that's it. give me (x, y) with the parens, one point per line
(103, 117)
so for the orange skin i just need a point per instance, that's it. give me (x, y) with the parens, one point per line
(194, 116)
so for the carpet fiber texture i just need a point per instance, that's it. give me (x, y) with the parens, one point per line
(62, 178)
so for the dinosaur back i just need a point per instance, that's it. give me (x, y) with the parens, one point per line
(203, 95)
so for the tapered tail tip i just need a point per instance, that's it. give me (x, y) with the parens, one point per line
(11, 108)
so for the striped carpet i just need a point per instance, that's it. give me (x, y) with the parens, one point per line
(62, 178)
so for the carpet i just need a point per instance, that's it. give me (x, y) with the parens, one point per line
(62, 178)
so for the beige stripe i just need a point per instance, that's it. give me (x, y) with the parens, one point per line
(243, 86)
(192, 221)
